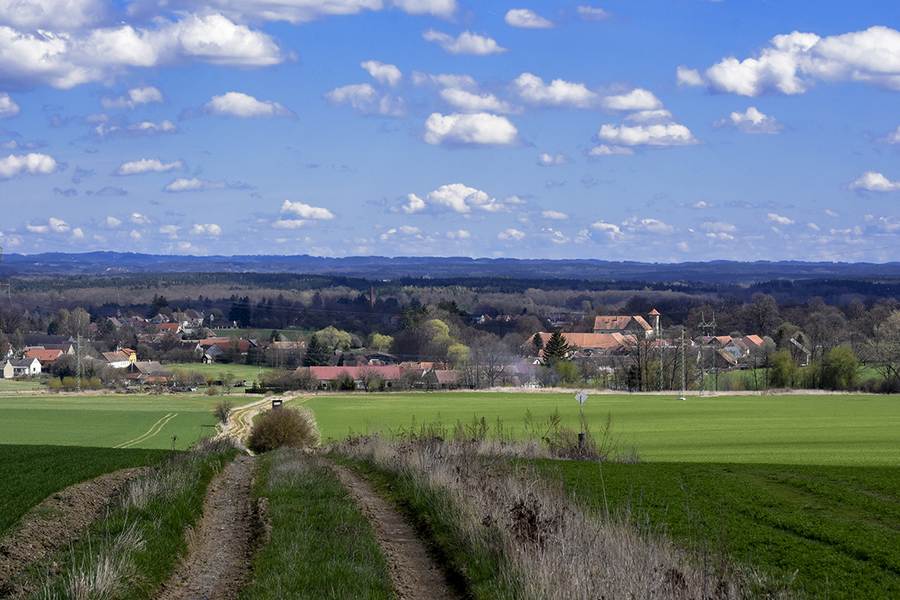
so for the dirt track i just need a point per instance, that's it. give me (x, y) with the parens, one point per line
(415, 575)
(220, 549)
(56, 522)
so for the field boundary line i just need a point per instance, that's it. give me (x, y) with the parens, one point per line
(154, 429)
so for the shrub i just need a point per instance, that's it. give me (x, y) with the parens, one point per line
(344, 382)
(212, 391)
(840, 369)
(783, 369)
(290, 427)
(222, 410)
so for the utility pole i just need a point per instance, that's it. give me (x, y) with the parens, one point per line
(707, 327)
(78, 359)
(683, 371)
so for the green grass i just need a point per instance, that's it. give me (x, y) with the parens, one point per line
(32, 473)
(107, 420)
(321, 545)
(160, 521)
(474, 568)
(240, 372)
(20, 385)
(797, 429)
(837, 527)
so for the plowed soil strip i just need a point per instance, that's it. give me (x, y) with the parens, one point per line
(54, 523)
(220, 549)
(414, 573)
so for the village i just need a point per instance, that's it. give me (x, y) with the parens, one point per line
(339, 361)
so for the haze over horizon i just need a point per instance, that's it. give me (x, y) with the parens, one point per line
(647, 131)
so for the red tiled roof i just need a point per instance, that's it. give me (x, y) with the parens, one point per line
(388, 372)
(169, 326)
(43, 355)
(592, 341)
(620, 322)
(754, 339)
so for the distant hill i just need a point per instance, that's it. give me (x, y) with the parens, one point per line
(379, 267)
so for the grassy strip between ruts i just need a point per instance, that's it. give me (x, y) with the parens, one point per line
(832, 530)
(472, 568)
(320, 545)
(31, 473)
(131, 552)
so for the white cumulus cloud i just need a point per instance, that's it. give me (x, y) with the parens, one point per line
(688, 77)
(606, 150)
(545, 159)
(306, 211)
(363, 98)
(51, 14)
(792, 62)
(238, 104)
(526, 19)
(33, 164)
(872, 181)
(134, 97)
(65, 60)
(511, 234)
(467, 101)
(554, 215)
(192, 184)
(752, 120)
(779, 219)
(382, 72)
(610, 230)
(465, 43)
(668, 134)
(559, 92)
(636, 99)
(147, 165)
(475, 128)
(207, 229)
(8, 107)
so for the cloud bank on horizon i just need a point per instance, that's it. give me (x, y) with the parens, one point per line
(603, 129)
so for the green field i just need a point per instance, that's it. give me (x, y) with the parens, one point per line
(108, 420)
(796, 429)
(837, 527)
(19, 385)
(31, 473)
(241, 372)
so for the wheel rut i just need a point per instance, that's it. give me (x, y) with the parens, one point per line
(220, 548)
(414, 573)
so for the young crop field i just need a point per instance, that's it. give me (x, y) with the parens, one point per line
(19, 385)
(31, 473)
(794, 429)
(112, 420)
(239, 372)
(836, 527)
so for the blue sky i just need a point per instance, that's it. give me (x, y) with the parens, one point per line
(624, 129)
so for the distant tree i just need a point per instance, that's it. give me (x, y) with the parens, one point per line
(556, 349)
(458, 354)
(537, 342)
(380, 342)
(840, 368)
(783, 369)
(317, 355)
(334, 339)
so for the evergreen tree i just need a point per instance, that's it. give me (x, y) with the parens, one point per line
(538, 344)
(556, 349)
(317, 354)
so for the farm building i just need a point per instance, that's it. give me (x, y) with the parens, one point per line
(328, 375)
(46, 356)
(22, 367)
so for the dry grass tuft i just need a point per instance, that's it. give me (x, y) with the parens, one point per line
(101, 575)
(548, 548)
